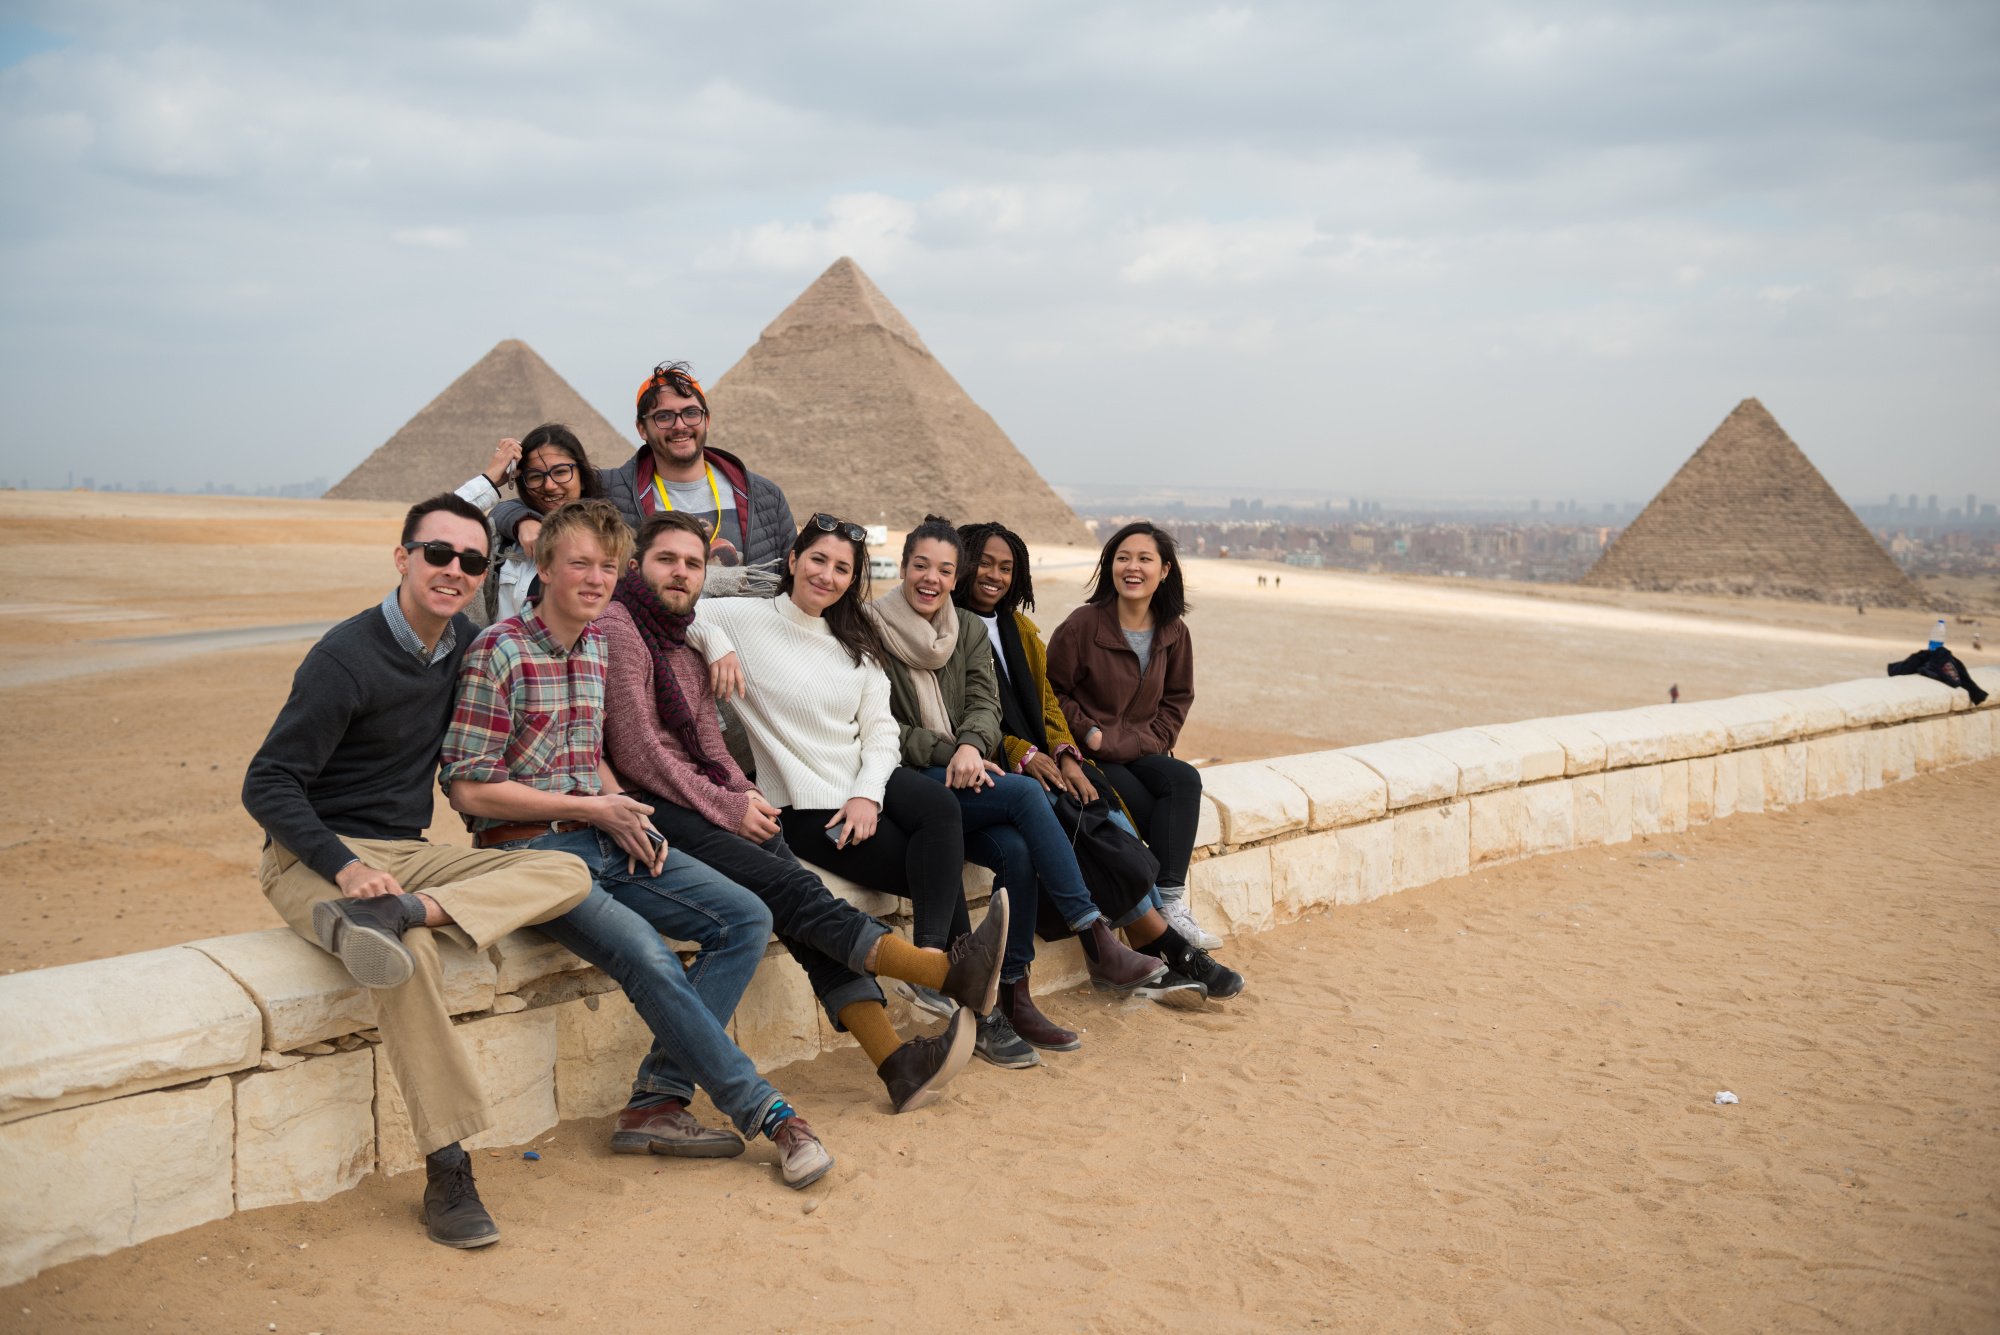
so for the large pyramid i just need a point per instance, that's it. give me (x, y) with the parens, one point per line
(1749, 514)
(508, 392)
(845, 408)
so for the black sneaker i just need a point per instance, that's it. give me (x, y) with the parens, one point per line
(1221, 981)
(367, 936)
(452, 1209)
(1175, 986)
(998, 1043)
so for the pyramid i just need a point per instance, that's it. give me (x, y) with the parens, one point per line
(842, 405)
(508, 392)
(1749, 514)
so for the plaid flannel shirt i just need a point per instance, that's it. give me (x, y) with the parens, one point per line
(527, 711)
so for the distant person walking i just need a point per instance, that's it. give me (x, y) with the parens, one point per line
(1674, 694)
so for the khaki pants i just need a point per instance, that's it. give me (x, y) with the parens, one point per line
(488, 894)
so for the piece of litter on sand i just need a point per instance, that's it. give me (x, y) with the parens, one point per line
(494, 1153)
(1724, 1096)
(529, 1154)
(811, 1206)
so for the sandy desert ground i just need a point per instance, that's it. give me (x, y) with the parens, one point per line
(124, 832)
(1483, 1105)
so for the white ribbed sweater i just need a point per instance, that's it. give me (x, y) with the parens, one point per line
(820, 727)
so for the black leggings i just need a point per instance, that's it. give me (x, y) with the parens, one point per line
(1164, 797)
(916, 852)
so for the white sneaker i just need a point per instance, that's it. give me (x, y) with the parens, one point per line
(1181, 918)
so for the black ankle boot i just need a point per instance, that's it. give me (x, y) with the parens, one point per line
(452, 1209)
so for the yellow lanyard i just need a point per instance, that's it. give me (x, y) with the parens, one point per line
(667, 502)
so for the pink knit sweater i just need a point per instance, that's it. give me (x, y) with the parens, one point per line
(643, 750)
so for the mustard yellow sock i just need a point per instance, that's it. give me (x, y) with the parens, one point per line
(899, 959)
(869, 1024)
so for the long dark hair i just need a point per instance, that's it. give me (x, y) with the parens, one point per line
(1170, 599)
(556, 436)
(843, 616)
(1021, 593)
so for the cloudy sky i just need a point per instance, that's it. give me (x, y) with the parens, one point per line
(1384, 250)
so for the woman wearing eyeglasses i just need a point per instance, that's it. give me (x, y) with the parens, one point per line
(554, 469)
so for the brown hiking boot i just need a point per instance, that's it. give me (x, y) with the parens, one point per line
(1114, 966)
(974, 979)
(917, 1071)
(800, 1154)
(1035, 1028)
(671, 1129)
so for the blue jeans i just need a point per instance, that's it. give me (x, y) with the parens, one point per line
(618, 928)
(1010, 828)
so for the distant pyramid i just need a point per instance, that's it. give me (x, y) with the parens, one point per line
(1749, 514)
(508, 392)
(844, 407)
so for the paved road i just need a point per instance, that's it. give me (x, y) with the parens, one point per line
(134, 651)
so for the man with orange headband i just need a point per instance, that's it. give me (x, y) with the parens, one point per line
(747, 518)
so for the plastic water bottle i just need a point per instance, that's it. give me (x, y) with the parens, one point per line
(1937, 634)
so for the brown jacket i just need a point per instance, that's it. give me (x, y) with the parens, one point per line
(1096, 679)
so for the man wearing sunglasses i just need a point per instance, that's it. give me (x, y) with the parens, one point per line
(748, 520)
(342, 787)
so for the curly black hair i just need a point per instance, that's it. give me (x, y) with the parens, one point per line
(1020, 594)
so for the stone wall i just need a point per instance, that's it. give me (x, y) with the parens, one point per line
(154, 1092)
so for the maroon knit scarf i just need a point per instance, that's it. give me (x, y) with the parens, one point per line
(663, 632)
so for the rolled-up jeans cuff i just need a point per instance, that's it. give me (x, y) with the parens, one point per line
(1147, 903)
(857, 958)
(1088, 919)
(658, 1091)
(863, 988)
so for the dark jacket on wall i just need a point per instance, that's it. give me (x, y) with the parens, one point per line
(1940, 665)
(1097, 682)
(971, 697)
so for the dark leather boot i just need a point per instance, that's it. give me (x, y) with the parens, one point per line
(1035, 1028)
(974, 979)
(1115, 967)
(452, 1209)
(918, 1071)
(669, 1128)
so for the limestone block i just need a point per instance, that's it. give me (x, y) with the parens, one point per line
(1727, 765)
(775, 1023)
(1588, 811)
(1988, 677)
(1539, 755)
(1674, 796)
(82, 1033)
(1305, 874)
(1816, 712)
(1498, 825)
(1413, 773)
(90, 1180)
(1655, 733)
(1919, 697)
(1750, 778)
(1583, 750)
(1433, 844)
(1342, 790)
(1483, 764)
(307, 997)
(1866, 702)
(1254, 802)
(525, 955)
(978, 882)
(1364, 867)
(1784, 775)
(1618, 804)
(306, 1132)
(1899, 753)
(1649, 814)
(1873, 749)
(1551, 815)
(1059, 966)
(515, 1056)
(1700, 790)
(1208, 825)
(1971, 735)
(1927, 739)
(1753, 720)
(1834, 765)
(598, 1052)
(1232, 895)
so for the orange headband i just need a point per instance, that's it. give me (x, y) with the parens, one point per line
(661, 382)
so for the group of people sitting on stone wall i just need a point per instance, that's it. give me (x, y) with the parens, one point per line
(581, 735)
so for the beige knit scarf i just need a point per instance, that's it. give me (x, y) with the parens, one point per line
(921, 646)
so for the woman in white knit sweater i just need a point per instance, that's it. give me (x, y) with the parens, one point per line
(816, 705)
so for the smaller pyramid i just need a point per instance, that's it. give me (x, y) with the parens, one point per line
(1748, 514)
(842, 405)
(508, 392)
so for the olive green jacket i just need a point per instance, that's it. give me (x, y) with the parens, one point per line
(971, 696)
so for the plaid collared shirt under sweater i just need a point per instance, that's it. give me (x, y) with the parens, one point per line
(527, 711)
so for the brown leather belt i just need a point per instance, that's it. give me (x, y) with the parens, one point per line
(507, 834)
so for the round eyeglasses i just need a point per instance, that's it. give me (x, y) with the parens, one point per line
(666, 417)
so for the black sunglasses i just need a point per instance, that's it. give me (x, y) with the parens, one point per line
(441, 553)
(845, 528)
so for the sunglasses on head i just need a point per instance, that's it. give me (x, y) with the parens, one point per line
(845, 528)
(440, 554)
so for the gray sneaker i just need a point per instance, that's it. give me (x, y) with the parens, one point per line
(998, 1043)
(927, 999)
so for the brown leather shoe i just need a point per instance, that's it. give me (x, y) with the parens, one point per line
(1117, 968)
(801, 1156)
(919, 1070)
(974, 979)
(671, 1129)
(1035, 1028)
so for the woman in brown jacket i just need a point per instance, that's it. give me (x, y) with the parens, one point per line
(1122, 666)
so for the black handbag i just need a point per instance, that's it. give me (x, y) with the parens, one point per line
(1118, 870)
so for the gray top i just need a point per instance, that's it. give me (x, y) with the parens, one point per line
(1142, 645)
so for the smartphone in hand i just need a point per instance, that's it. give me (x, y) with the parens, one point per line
(837, 832)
